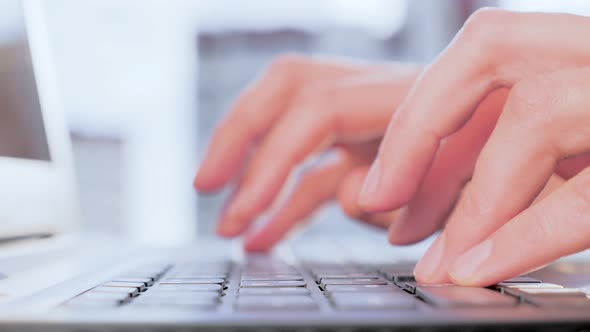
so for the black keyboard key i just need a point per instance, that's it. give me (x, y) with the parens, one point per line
(275, 283)
(271, 277)
(325, 282)
(135, 276)
(373, 301)
(103, 296)
(409, 287)
(399, 273)
(139, 285)
(192, 307)
(540, 285)
(361, 288)
(191, 281)
(180, 299)
(560, 302)
(277, 291)
(522, 280)
(192, 275)
(457, 296)
(344, 275)
(269, 271)
(131, 291)
(529, 294)
(85, 304)
(515, 289)
(270, 303)
(146, 281)
(554, 292)
(188, 288)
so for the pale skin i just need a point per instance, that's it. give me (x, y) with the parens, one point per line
(491, 141)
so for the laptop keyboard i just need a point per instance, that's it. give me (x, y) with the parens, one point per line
(265, 284)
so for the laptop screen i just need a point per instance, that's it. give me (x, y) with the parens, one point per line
(22, 132)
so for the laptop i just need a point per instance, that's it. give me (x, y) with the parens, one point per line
(54, 277)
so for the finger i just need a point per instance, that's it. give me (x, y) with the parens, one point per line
(452, 168)
(348, 199)
(319, 117)
(257, 109)
(559, 222)
(447, 93)
(315, 188)
(544, 120)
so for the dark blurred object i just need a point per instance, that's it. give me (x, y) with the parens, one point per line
(22, 133)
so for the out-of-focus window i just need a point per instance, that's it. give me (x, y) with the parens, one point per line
(380, 18)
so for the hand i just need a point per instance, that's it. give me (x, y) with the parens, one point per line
(299, 108)
(528, 201)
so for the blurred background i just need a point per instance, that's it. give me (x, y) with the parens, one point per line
(145, 81)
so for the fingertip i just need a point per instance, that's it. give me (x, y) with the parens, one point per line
(464, 269)
(381, 203)
(349, 190)
(371, 185)
(428, 268)
(411, 226)
(204, 182)
(376, 196)
(229, 227)
(397, 234)
(199, 182)
(253, 243)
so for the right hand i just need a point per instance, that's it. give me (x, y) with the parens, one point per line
(299, 107)
(527, 202)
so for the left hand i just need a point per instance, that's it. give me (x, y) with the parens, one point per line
(298, 108)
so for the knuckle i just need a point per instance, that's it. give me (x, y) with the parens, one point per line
(285, 64)
(315, 102)
(532, 101)
(483, 26)
(314, 95)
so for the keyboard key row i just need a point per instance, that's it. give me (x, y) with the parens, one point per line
(277, 286)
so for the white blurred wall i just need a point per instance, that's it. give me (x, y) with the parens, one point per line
(128, 69)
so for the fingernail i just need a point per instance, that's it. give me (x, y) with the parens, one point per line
(467, 264)
(371, 184)
(427, 266)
